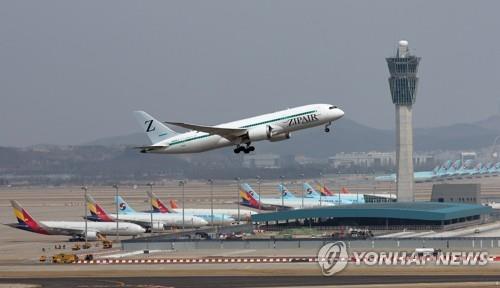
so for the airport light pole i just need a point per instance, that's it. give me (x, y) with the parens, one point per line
(339, 196)
(150, 184)
(238, 196)
(116, 206)
(494, 153)
(302, 177)
(321, 192)
(85, 188)
(182, 183)
(259, 180)
(282, 196)
(211, 181)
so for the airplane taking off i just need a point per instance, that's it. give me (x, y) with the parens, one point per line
(160, 221)
(228, 216)
(75, 229)
(272, 127)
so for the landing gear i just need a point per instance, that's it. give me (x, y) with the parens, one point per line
(238, 149)
(327, 129)
(245, 150)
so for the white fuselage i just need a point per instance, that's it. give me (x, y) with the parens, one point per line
(281, 122)
(103, 228)
(161, 219)
(233, 213)
(295, 203)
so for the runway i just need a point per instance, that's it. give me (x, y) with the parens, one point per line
(246, 281)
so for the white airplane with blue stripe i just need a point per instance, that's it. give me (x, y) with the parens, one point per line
(272, 127)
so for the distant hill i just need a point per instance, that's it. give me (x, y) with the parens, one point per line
(135, 139)
(349, 136)
(113, 159)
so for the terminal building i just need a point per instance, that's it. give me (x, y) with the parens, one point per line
(379, 216)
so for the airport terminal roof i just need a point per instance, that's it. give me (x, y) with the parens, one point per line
(432, 211)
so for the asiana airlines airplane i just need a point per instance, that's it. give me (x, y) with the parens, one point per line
(272, 127)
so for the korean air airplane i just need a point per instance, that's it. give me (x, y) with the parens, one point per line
(75, 229)
(224, 216)
(127, 214)
(272, 127)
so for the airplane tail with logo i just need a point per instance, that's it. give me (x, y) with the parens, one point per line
(248, 196)
(25, 221)
(323, 190)
(157, 204)
(156, 130)
(310, 190)
(123, 206)
(285, 192)
(96, 211)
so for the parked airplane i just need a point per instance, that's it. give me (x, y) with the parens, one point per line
(450, 170)
(219, 214)
(273, 127)
(159, 221)
(340, 198)
(75, 229)
(252, 199)
(217, 218)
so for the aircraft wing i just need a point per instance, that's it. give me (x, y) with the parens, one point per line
(223, 132)
(149, 148)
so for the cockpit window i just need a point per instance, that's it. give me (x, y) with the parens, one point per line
(333, 107)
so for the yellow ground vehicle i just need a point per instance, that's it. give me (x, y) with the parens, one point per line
(106, 244)
(64, 258)
(43, 258)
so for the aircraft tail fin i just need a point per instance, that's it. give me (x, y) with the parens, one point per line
(327, 191)
(344, 190)
(157, 204)
(96, 211)
(156, 130)
(285, 192)
(310, 190)
(249, 196)
(123, 205)
(24, 219)
(323, 189)
(173, 204)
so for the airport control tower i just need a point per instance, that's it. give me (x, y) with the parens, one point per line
(403, 84)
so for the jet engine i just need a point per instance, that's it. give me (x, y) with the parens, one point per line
(280, 137)
(268, 132)
(91, 235)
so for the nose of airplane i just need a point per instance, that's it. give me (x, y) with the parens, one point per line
(200, 221)
(340, 113)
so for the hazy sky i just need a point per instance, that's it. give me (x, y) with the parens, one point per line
(72, 71)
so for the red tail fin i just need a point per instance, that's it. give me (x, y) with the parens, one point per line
(97, 211)
(173, 204)
(25, 220)
(327, 191)
(159, 206)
